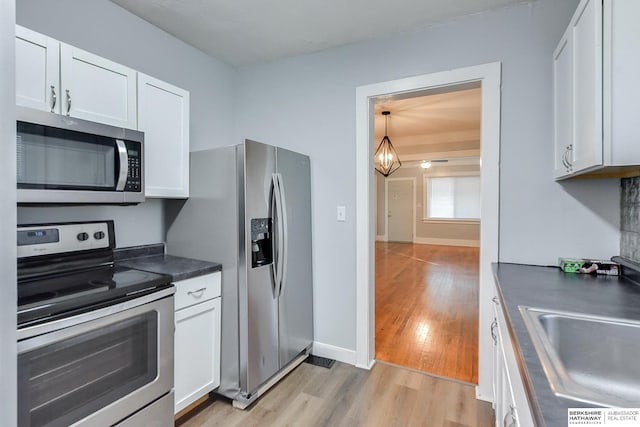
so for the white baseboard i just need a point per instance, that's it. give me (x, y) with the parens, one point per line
(482, 397)
(368, 368)
(332, 352)
(447, 242)
(381, 237)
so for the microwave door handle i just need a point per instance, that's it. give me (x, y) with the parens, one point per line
(124, 164)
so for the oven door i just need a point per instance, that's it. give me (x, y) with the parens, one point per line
(97, 368)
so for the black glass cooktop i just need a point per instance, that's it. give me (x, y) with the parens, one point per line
(51, 297)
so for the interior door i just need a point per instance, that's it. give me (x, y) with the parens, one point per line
(400, 210)
(295, 306)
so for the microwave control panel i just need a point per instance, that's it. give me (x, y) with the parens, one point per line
(134, 180)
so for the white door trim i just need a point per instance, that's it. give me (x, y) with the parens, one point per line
(386, 205)
(490, 77)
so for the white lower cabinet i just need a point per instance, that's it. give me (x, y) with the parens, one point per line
(509, 398)
(197, 338)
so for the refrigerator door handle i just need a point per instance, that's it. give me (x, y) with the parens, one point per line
(278, 250)
(284, 236)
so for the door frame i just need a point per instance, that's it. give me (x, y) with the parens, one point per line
(386, 205)
(489, 76)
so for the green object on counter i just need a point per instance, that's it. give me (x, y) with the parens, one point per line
(570, 265)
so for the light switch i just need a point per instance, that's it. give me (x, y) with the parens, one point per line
(341, 213)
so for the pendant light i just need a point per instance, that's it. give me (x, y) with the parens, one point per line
(386, 159)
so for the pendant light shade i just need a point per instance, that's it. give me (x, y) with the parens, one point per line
(386, 158)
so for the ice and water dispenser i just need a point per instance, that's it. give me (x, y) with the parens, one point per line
(261, 242)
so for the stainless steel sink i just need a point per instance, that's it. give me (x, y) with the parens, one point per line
(591, 359)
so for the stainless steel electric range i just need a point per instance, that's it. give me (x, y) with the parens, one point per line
(95, 341)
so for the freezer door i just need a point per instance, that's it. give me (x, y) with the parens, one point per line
(257, 293)
(296, 292)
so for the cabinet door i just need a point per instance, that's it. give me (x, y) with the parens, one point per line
(586, 28)
(506, 414)
(563, 105)
(96, 89)
(37, 70)
(163, 116)
(197, 352)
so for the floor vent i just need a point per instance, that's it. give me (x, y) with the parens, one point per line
(320, 361)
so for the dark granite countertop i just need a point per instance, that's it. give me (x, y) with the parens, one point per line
(550, 288)
(153, 258)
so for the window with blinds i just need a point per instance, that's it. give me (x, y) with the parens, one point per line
(453, 197)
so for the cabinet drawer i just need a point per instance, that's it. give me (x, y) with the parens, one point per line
(197, 289)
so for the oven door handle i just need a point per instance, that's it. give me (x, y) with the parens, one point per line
(68, 322)
(123, 163)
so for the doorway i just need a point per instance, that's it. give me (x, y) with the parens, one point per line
(400, 202)
(426, 281)
(489, 76)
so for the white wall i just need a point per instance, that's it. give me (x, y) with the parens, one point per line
(307, 103)
(104, 28)
(8, 294)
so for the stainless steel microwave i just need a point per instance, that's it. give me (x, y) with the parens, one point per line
(62, 159)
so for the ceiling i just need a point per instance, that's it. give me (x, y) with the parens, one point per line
(241, 32)
(440, 125)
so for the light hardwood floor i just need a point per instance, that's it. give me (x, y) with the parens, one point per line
(344, 395)
(427, 308)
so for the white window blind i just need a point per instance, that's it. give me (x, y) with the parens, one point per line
(453, 197)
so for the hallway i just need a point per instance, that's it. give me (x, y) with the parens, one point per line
(427, 308)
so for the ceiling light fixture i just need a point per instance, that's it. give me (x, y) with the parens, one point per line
(386, 159)
(425, 164)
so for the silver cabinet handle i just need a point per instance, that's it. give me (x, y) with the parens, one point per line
(68, 102)
(511, 413)
(564, 160)
(569, 162)
(494, 325)
(54, 98)
(200, 292)
(495, 300)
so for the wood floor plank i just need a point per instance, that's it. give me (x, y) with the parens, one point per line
(344, 395)
(427, 308)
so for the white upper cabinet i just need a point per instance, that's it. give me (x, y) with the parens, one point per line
(563, 105)
(596, 129)
(37, 70)
(96, 89)
(56, 77)
(60, 78)
(163, 116)
(586, 28)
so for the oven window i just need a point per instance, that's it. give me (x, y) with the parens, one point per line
(64, 381)
(62, 159)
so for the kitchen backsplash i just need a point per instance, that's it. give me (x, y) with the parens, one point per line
(630, 219)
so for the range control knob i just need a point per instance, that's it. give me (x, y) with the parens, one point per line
(83, 236)
(98, 235)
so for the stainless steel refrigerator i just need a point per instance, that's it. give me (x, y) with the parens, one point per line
(250, 210)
